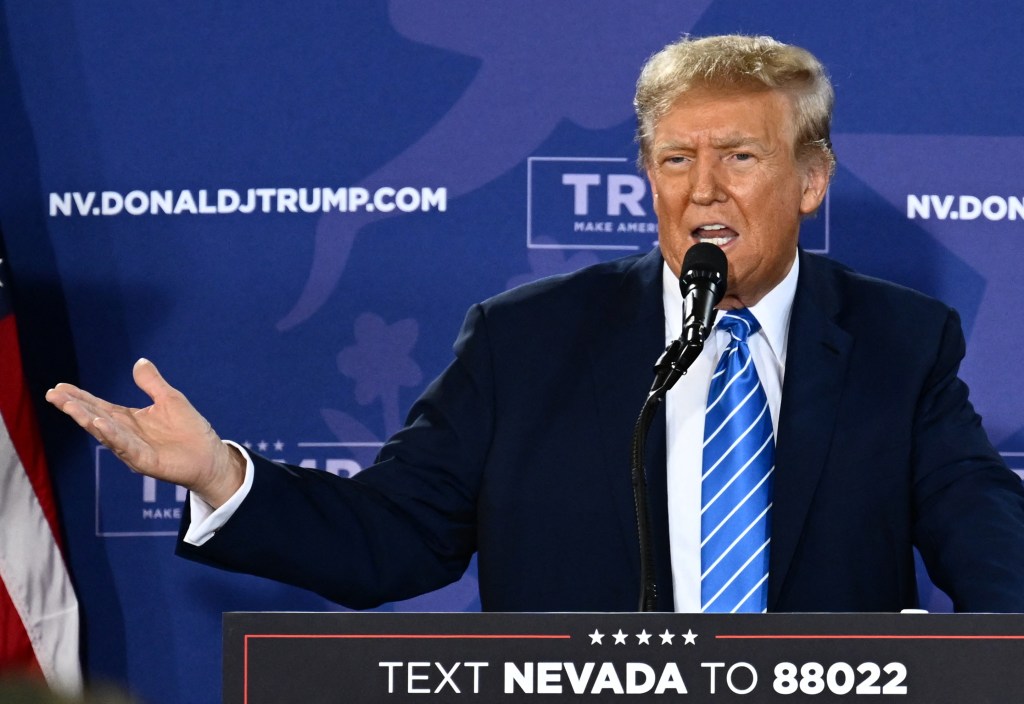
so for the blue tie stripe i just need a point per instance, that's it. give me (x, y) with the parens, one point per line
(737, 475)
(723, 553)
(747, 501)
(738, 466)
(736, 591)
(723, 453)
(737, 406)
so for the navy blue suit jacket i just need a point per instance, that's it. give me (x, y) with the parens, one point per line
(519, 451)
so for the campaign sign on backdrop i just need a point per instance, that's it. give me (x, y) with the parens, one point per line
(588, 203)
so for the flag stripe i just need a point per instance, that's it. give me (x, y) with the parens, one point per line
(17, 415)
(15, 647)
(32, 569)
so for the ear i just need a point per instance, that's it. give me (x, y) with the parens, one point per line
(816, 177)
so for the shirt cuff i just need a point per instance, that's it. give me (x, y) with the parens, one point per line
(206, 520)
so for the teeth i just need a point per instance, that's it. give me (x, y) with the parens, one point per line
(704, 231)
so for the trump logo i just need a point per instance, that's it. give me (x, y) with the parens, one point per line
(587, 203)
(130, 505)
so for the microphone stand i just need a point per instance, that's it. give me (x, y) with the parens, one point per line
(705, 272)
(672, 364)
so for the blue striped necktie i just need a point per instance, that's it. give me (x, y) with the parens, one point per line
(736, 484)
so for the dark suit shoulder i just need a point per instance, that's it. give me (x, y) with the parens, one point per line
(571, 287)
(850, 294)
(590, 296)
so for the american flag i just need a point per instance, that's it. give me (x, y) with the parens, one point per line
(38, 607)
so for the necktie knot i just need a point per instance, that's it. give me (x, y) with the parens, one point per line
(739, 323)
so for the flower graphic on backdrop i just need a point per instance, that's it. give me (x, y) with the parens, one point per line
(380, 363)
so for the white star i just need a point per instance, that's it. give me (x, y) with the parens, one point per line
(247, 445)
(620, 638)
(644, 637)
(278, 445)
(262, 445)
(595, 637)
(666, 638)
(689, 638)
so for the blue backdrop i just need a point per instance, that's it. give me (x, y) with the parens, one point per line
(289, 206)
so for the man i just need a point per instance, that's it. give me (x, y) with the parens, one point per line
(520, 450)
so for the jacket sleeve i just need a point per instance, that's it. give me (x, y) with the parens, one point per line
(968, 506)
(402, 527)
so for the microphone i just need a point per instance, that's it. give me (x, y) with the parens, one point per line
(703, 283)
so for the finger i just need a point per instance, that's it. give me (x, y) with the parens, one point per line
(124, 443)
(62, 393)
(85, 417)
(148, 378)
(110, 429)
(59, 394)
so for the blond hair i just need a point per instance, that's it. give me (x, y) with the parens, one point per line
(738, 62)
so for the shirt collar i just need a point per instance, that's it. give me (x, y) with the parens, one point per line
(773, 311)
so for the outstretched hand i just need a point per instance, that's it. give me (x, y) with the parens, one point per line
(168, 440)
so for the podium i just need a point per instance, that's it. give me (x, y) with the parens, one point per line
(278, 658)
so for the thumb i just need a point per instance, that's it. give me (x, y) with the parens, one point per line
(148, 378)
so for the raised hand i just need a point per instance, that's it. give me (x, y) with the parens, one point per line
(168, 440)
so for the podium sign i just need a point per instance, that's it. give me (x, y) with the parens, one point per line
(277, 658)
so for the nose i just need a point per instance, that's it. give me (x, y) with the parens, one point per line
(705, 187)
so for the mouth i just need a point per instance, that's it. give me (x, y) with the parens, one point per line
(715, 233)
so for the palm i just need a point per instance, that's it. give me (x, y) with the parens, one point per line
(168, 440)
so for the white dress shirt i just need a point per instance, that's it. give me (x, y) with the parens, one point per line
(684, 418)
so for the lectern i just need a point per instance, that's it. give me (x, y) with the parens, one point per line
(307, 658)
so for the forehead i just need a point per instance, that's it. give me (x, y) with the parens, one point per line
(727, 114)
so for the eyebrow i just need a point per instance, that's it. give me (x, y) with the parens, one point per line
(731, 142)
(726, 142)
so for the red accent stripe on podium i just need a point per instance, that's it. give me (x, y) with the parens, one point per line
(866, 637)
(449, 636)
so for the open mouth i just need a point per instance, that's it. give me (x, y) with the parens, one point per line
(715, 233)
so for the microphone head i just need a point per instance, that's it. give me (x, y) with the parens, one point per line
(707, 262)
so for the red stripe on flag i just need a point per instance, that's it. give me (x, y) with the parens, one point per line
(16, 654)
(19, 417)
(37, 602)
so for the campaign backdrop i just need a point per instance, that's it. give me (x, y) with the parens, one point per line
(290, 206)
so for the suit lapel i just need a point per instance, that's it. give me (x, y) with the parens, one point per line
(816, 363)
(632, 335)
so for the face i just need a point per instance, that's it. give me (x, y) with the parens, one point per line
(723, 169)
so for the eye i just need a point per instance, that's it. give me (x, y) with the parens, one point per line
(676, 161)
(743, 156)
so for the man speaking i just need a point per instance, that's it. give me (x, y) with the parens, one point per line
(820, 435)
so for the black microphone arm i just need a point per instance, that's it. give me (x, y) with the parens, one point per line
(703, 283)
